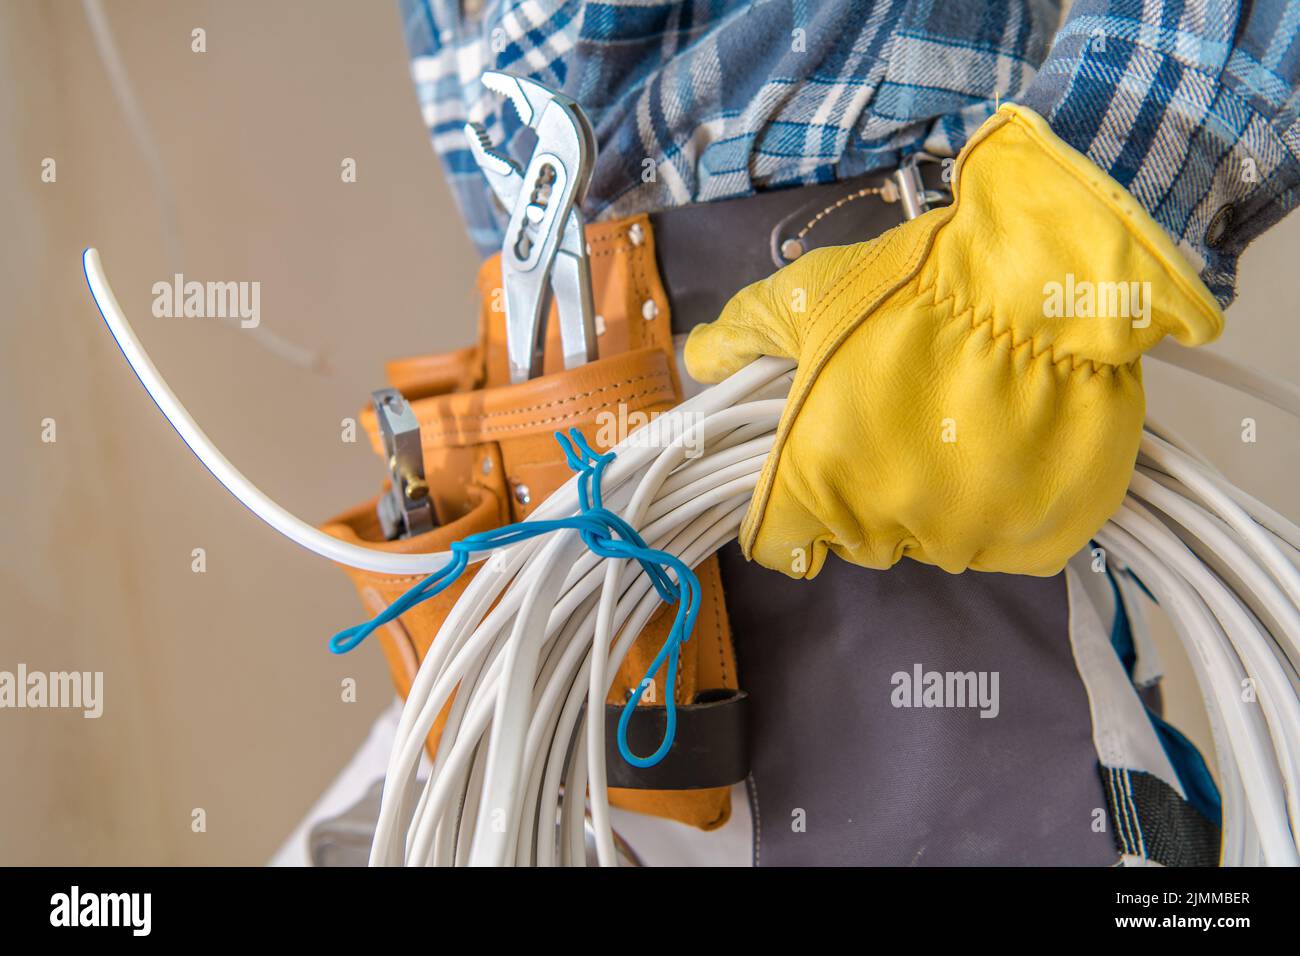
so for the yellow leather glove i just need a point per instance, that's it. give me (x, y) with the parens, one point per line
(969, 389)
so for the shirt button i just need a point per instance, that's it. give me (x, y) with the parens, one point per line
(1217, 231)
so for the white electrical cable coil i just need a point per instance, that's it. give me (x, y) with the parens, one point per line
(1156, 533)
(1176, 507)
(537, 635)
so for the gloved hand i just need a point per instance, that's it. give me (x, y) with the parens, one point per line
(969, 389)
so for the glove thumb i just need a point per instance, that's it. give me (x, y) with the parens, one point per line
(768, 317)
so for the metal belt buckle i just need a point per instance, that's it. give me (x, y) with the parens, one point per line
(916, 199)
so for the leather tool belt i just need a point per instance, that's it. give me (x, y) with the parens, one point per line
(490, 457)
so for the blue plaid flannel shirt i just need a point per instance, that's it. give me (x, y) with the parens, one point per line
(1190, 104)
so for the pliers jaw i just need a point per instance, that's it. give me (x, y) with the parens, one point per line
(502, 173)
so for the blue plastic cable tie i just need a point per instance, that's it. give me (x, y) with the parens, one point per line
(607, 535)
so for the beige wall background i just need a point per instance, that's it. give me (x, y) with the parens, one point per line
(220, 693)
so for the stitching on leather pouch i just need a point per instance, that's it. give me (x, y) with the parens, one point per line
(662, 377)
(716, 598)
(553, 402)
(381, 578)
(378, 579)
(637, 334)
(609, 245)
(552, 461)
(537, 463)
(431, 440)
(641, 288)
(677, 686)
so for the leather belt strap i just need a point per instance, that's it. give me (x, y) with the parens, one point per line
(710, 251)
(539, 406)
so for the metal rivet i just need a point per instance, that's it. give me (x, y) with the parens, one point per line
(416, 489)
(487, 466)
(522, 494)
(635, 234)
(600, 325)
(791, 249)
(1218, 227)
(649, 310)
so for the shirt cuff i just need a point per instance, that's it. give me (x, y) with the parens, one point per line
(1187, 114)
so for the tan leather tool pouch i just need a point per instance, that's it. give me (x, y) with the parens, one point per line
(490, 459)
